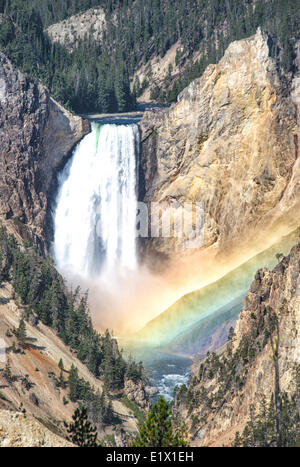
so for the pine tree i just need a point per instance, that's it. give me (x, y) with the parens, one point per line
(21, 333)
(62, 382)
(158, 430)
(73, 383)
(230, 334)
(2, 6)
(7, 371)
(61, 365)
(81, 432)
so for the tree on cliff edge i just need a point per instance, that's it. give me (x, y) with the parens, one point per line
(158, 430)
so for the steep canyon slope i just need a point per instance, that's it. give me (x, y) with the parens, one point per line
(36, 136)
(33, 405)
(231, 142)
(217, 402)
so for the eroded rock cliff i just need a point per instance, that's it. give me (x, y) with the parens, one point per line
(231, 142)
(36, 136)
(77, 28)
(218, 400)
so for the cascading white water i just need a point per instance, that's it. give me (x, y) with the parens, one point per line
(95, 216)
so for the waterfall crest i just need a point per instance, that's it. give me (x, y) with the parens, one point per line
(95, 215)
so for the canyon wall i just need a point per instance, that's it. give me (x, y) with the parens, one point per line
(192, 323)
(231, 143)
(36, 136)
(221, 394)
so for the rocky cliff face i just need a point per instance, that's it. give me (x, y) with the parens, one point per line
(19, 430)
(137, 393)
(231, 142)
(71, 31)
(217, 402)
(36, 136)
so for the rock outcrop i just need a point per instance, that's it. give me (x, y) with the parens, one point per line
(36, 136)
(231, 142)
(136, 392)
(19, 430)
(224, 388)
(77, 28)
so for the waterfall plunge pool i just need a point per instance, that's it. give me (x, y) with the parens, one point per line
(94, 224)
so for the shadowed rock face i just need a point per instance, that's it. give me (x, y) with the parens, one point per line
(36, 136)
(231, 142)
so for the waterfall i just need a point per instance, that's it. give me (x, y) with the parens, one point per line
(95, 215)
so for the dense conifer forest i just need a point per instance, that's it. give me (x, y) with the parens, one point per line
(40, 289)
(96, 76)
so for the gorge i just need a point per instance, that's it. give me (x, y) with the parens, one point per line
(70, 190)
(203, 296)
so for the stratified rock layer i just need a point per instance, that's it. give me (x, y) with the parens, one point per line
(36, 136)
(231, 142)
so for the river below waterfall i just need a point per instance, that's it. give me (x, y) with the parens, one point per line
(165, 370)
(94, 224)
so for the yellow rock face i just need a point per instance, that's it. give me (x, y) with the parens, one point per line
(231, 142)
